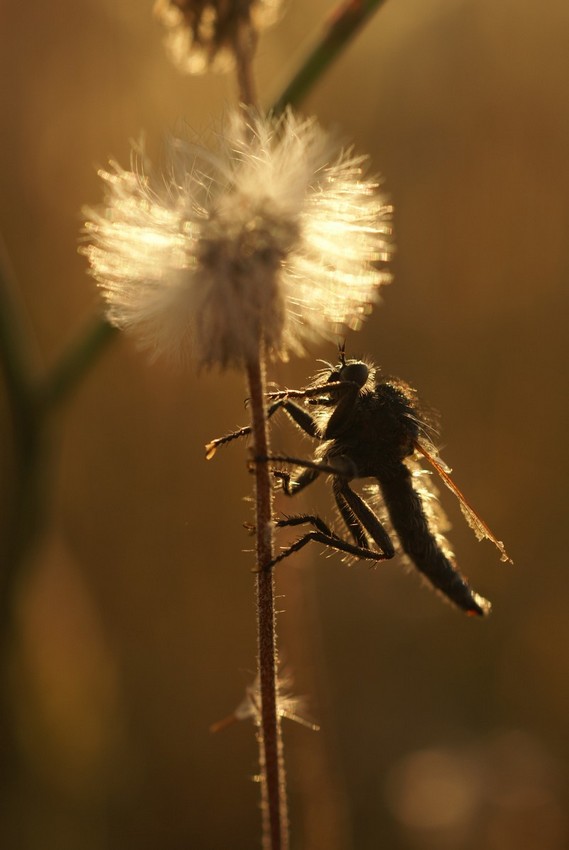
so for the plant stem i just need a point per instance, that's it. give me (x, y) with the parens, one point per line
(15, 358)
(275, 825)
(271, 759)
(22, 516)
(337, 32)
(72, 366)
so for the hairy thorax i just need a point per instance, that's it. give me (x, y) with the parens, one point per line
(380, 432)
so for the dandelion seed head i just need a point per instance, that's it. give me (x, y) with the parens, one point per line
(270, 233)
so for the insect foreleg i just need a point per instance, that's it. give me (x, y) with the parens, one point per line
(302, 418)
(212, 446)
(311, 392)
(340, 420)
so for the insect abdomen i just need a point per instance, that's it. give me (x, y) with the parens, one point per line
(419, 543)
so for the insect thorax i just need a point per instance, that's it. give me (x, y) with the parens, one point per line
(381, 431)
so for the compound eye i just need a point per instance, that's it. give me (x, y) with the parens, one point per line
(333, 377)
(356, 372)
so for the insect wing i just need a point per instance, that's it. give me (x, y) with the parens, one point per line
(477, 524)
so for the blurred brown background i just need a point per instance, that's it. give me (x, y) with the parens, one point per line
(136, 619)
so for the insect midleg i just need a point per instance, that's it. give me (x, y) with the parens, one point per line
(364, 514)
(317, 465)
(292, 486)
(306, 519)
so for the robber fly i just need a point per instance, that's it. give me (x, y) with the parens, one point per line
(370, 426)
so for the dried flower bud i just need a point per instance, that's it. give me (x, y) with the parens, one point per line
(262, 237)
(205, 34)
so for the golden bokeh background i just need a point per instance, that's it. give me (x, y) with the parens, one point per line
(135, 616)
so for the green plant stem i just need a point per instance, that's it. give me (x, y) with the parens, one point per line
(22, 517)
(14, 339)
(337, 32)
(73, 365)
(31, 401)
(275, 820)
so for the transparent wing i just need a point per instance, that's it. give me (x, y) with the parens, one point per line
(475, 522)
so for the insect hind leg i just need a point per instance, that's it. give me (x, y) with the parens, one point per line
(351, 521)
(322, 534)
(358, 515)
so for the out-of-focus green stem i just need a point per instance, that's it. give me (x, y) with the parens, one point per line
(21, 517)
(72, 366)
(31, 399)
(337, 32)
(14, 338)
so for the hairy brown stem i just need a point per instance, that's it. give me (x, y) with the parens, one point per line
(271, 760)
(275, 826)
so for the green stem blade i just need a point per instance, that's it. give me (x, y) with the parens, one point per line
(337, 32)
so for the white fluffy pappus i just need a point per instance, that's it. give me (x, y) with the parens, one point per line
(272, 234)
(289, 705)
